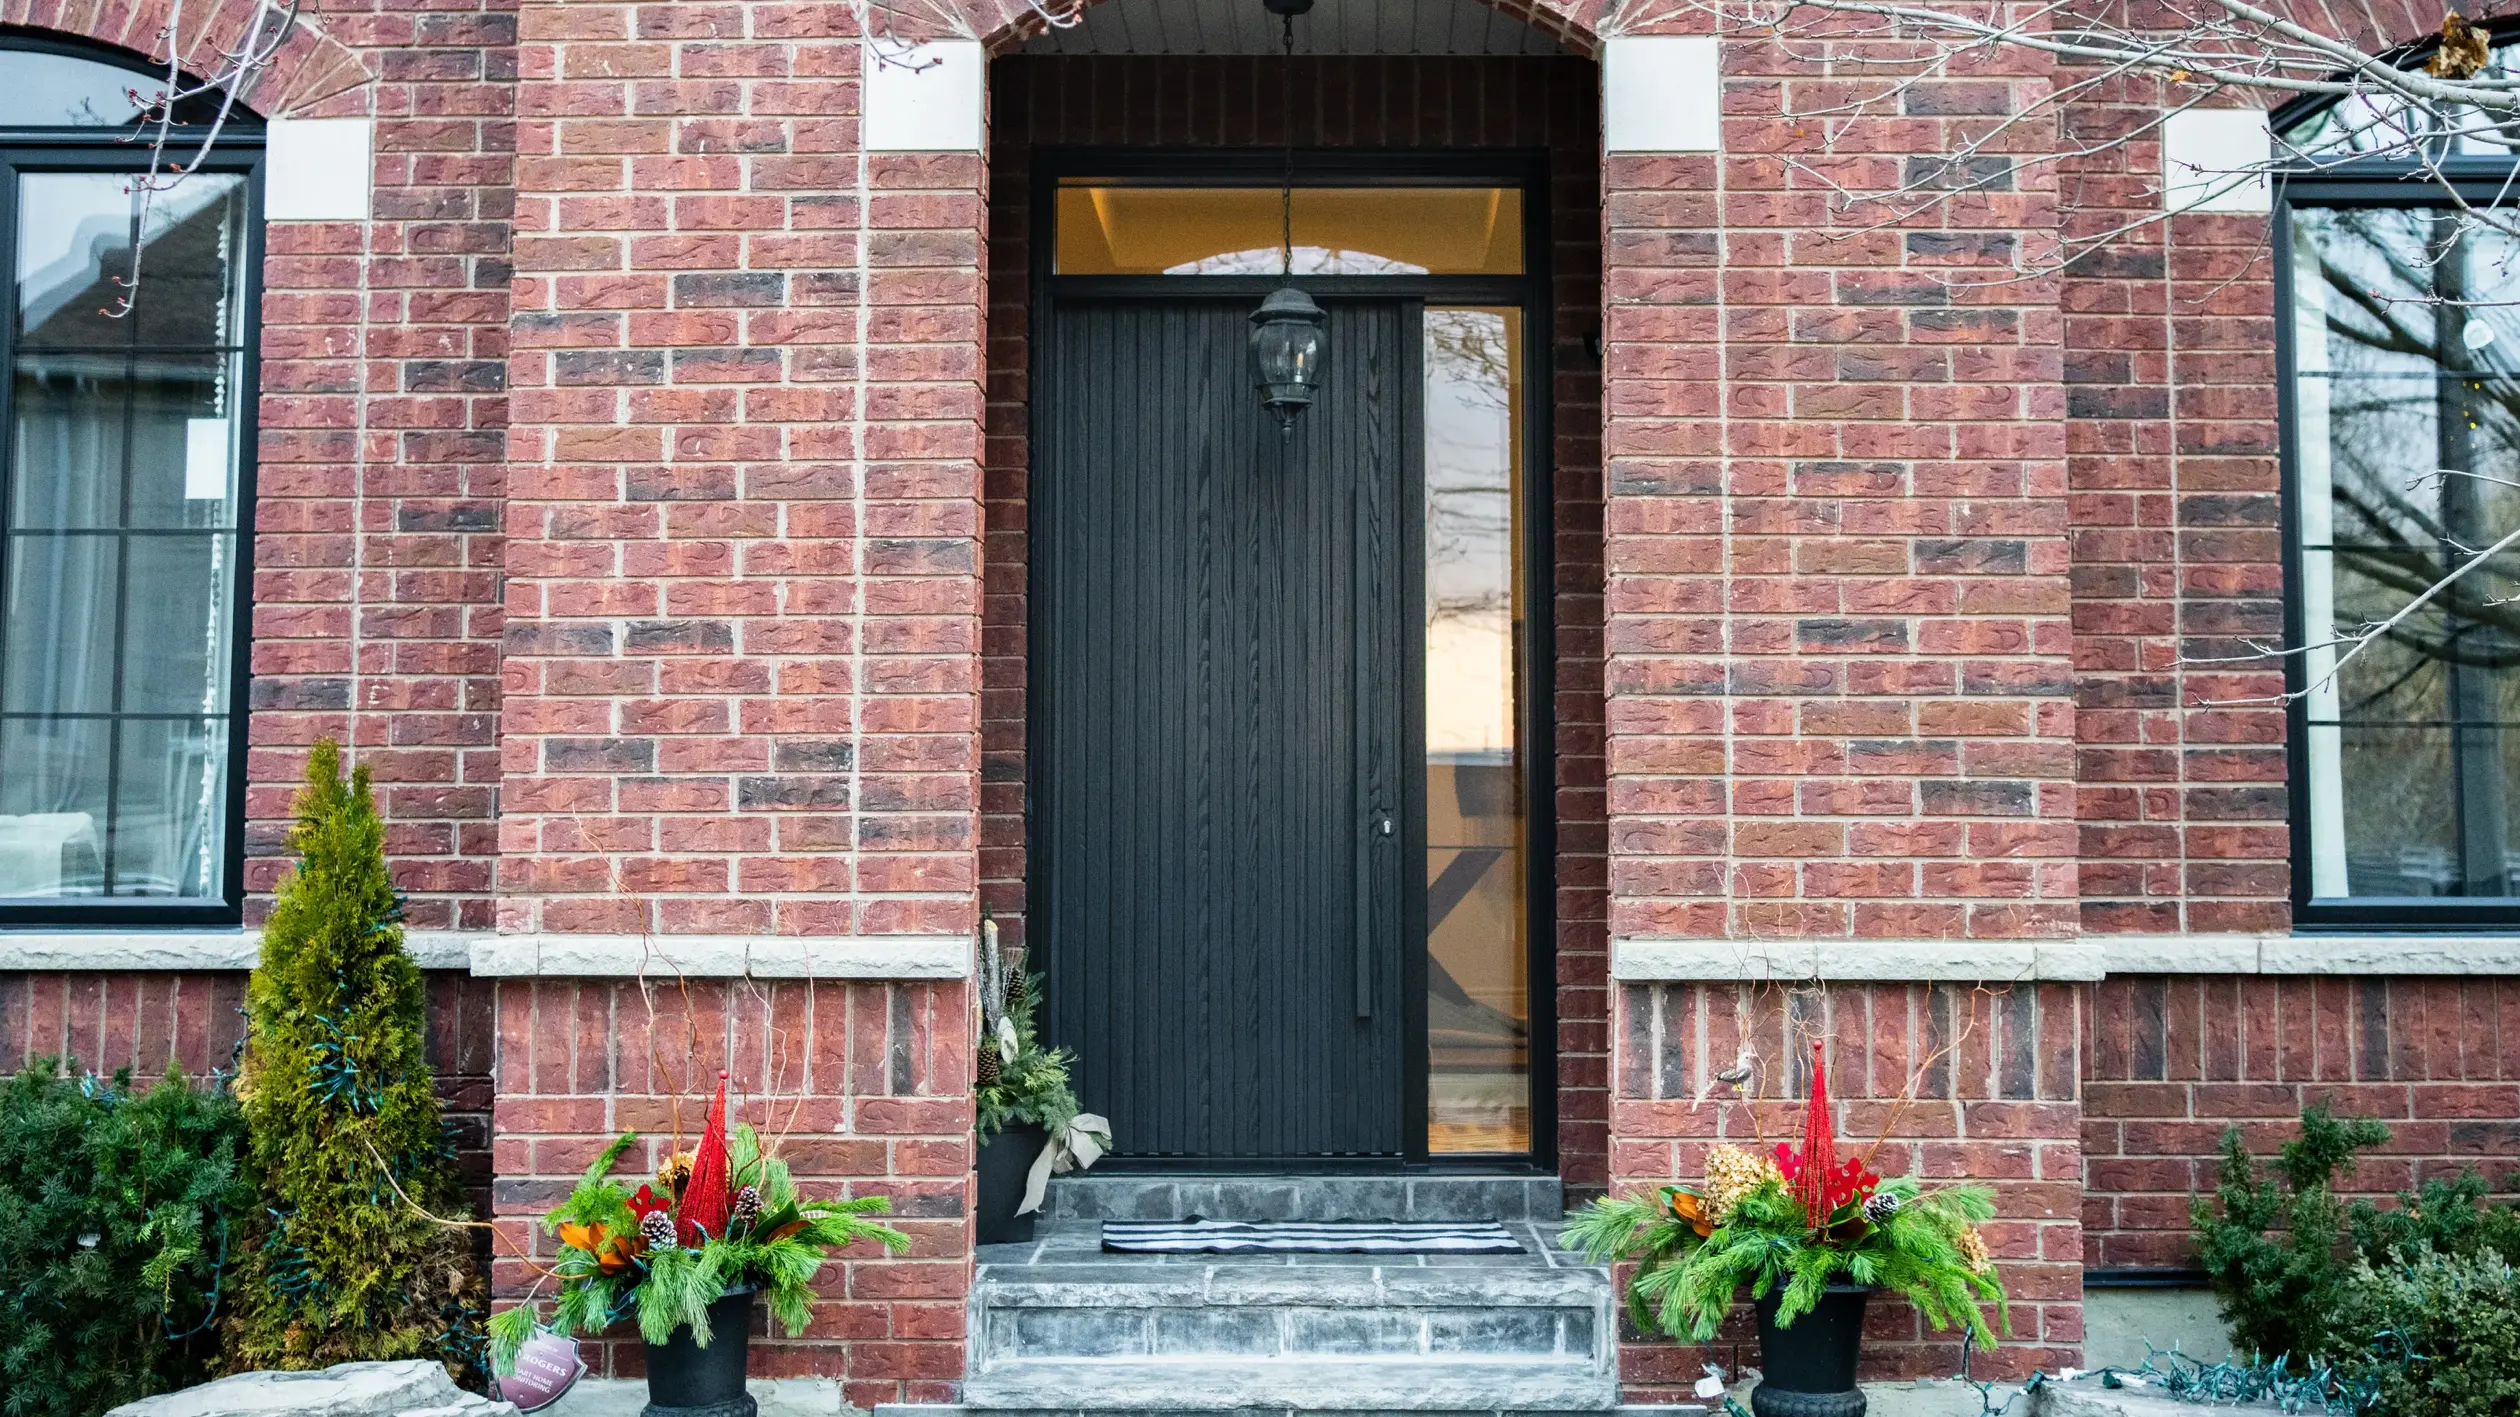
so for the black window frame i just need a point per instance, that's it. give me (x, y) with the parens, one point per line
(239, 150)
(2393, 184)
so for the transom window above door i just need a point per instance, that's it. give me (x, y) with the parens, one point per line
(1110, 228)
(124, 498)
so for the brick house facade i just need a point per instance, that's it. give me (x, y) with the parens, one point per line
(641, 492)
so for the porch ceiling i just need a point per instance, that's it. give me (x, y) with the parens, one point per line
(1333, 27)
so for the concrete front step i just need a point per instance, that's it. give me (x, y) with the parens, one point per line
(1210, 1385)
(1062, 1325)
(1175, 1196)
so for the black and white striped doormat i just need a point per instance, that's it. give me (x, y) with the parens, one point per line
(1328, 1237)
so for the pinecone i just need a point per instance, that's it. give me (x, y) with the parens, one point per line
(1018, 993)
(673, 1173)
(1880, 1206)
(657, 1228)
(987, 1064)
(747, 1207)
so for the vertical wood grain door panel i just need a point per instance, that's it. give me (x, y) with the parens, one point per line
(1220, 642)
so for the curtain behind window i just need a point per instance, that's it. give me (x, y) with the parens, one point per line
(121, 553)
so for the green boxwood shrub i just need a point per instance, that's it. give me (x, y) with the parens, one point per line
(118, 1211)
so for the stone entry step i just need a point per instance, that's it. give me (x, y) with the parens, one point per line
(1059, 1325)
(1175, 1196)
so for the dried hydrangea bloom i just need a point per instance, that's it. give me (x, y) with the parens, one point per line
(1973, 1251)
(1732, 1173)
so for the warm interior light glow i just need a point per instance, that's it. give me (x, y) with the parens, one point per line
(1110, 229)
(1478, 964)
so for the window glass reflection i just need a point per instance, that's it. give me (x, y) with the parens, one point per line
(118, 610)
(1478, 964)
(2407, 422)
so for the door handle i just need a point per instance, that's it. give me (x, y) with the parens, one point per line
(1379, 827)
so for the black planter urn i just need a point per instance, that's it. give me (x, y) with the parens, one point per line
(1808, 1370)
(688, 1380)
(1005, 1159)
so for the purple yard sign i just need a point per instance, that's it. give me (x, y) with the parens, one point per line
(547, 1366)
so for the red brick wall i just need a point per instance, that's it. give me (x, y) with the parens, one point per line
(1993, 1077)
(741, 664)
(2175, 1062)
(744, 509)
(1840, 692)
(376, 613)
(2170, 421)
(1434, 103)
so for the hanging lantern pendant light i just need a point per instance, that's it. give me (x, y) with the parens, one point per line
(1286, 331)
(1286, 352)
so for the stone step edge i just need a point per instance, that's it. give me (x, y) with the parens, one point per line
(1255, 1196)
(1330, 1289)
(1206, 1383)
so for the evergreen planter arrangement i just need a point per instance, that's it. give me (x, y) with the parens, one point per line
(686, 1255)
(1811, 1237)
(1029, 1125)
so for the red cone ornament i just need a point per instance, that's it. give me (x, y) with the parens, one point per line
(1819, 1146)
(708, 1196)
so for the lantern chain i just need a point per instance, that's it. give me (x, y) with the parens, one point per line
(1286, 186)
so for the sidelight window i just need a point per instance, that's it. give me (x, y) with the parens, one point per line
(123, 504)
(1478, 949)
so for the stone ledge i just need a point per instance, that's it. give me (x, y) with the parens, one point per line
(2083, 958)
(723, 956)
(1968, 961)
(142, 949)
(517, 956)
(411, 1387)
(2374, 953)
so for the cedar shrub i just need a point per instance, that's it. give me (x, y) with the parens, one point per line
(347, 1145)
(2305, 1277)
(119, 1212)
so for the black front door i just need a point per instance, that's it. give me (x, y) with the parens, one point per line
(1221, 658)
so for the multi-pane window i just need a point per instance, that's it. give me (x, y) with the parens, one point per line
(122, 514)
(2406, 458)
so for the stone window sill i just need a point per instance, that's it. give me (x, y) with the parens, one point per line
(518, 956)
(2086, 957)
